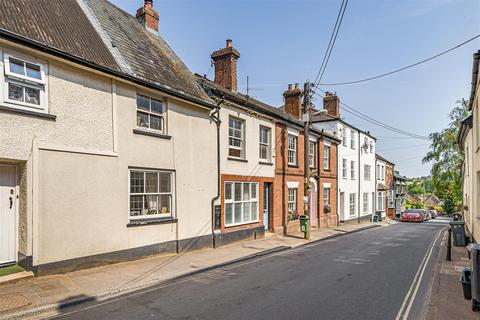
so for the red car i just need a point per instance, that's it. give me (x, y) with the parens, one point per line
(412, 215)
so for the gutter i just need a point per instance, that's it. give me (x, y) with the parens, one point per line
(476, 62)
(61, 54)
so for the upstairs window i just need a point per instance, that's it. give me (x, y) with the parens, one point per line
(344, 137)
(25, 84)
(352, 170)
(265, 148)
(292, 150)
(344, 168)
(367, 171)
(151, 114)
(326, 157)
(352, 139)
(311, 154)
(236, 132)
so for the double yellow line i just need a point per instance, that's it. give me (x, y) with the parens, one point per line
(404, 311)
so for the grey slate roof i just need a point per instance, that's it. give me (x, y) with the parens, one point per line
(132, 51)
(257, 105)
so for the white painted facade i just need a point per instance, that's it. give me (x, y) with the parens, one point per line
(380, 195)
(356, 170)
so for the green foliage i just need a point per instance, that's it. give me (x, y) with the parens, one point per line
(416, 186)
(447, 159)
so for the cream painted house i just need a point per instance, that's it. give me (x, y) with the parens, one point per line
(469, 140)
(100, 138)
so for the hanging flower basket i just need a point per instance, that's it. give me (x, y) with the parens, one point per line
(327, 209)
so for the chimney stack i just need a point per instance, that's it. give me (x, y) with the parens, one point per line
(225, 61)
(331, 103)
(293, 101)
(148, 17)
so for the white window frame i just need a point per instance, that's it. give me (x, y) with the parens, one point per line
(292, 152)
(391, 199)
(367, 170)
(365, 203)
(326, 199)
(326, 157)
(352, 203)
(7, 77)
(311, 154)
(352, 170)
(170, 193)
(344, 137)
(344, 168)
(267, 145)
(381, 201)
(242, 203)
(292, 199)
(150, 113)
(241, 139)
(352, 139)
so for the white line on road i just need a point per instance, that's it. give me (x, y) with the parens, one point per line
(403, 313)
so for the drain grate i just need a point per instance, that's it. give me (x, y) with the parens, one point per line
(12, 301)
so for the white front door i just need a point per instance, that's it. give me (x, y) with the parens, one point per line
(8, 216)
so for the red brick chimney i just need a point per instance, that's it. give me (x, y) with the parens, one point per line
(293, 101)
(331, 103)
(225, 61)
(148, 17)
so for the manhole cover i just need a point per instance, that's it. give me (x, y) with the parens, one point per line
(12, 301)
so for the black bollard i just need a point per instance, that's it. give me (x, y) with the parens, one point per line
(449, 245)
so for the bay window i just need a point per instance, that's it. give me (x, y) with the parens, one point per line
(241, 203)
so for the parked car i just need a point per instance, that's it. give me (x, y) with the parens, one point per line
(433, 213)
(413, 215)
(429, 215)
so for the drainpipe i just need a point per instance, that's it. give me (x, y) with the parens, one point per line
(215, 116)
(359, 153)
(337, 201)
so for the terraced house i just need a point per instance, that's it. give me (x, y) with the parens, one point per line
(262, 160)
(102, 131)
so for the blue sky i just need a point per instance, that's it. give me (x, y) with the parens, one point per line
(283, 41)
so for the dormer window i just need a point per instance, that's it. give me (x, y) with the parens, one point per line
(24, 84)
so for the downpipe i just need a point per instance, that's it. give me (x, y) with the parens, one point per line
(215, 117)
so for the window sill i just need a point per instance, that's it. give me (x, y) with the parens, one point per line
(152, 134)
(241, 224)
(144, 222)
(293, 165)
(28, 112)
(265, 163)
(328, 170)
(237, 159)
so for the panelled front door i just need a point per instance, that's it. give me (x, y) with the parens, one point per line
(266, 205)
(8, 217)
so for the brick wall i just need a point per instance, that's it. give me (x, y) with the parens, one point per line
(260, 181)
(328, 176)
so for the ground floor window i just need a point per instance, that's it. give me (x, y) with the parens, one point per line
(241, 203)
(353, 197)
(391, 199)
(365, 202)
(381, 201)
(292, 200)
(150, 194)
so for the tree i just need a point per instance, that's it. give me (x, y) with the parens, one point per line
(447, 158)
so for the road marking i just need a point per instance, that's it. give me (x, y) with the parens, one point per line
(416, 282)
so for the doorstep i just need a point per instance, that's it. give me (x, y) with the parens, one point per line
(16, 277)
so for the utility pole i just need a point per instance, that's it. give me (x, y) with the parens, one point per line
(306, 121)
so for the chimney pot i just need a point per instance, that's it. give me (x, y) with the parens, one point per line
(148, 4)
(229, 43)
(290, 87)
(296, 85)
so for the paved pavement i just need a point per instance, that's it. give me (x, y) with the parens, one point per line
(381, 273)
(35, 297)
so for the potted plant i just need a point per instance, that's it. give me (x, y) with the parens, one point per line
(292, 215)
(327, 208)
